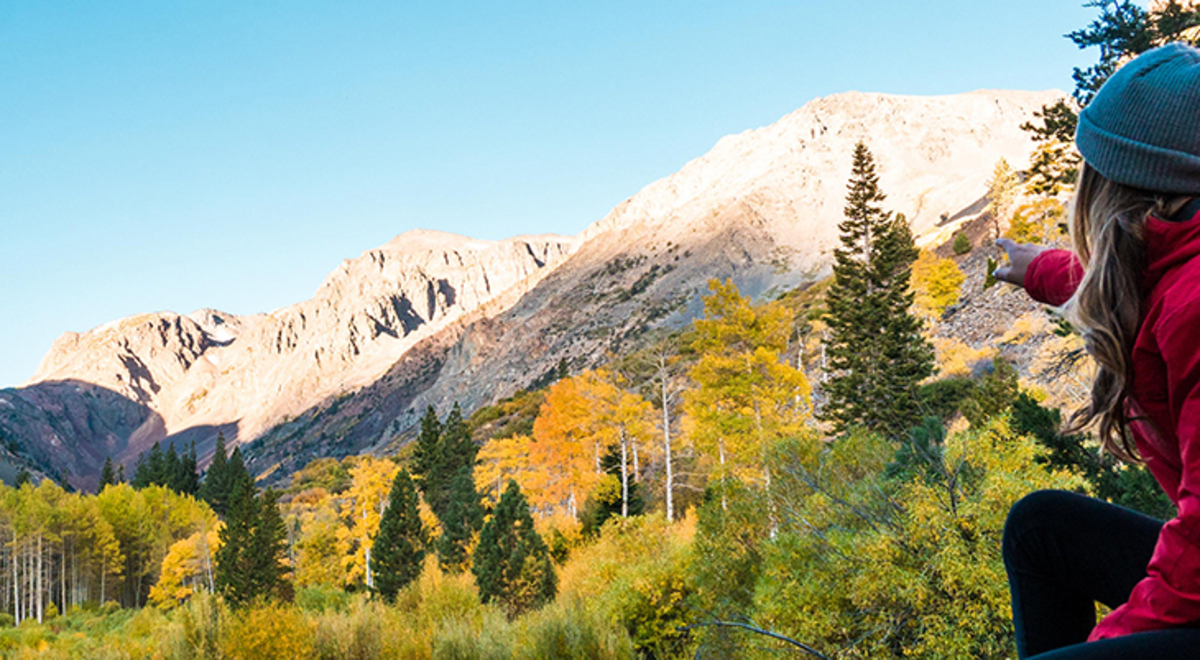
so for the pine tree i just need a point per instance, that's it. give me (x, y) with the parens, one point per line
(171, 470)
(189, 480)
(249, 563)
(234, 564)
(464, 517)
(268, 548)
(512, 563)
(399, 550)
(427, 457)
(215, 489)
(875, 349)
(151, 468)
(108, 475)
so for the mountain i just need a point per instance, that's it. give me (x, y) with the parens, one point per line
(432, 318)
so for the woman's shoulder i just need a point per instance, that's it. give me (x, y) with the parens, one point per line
(1177, 297)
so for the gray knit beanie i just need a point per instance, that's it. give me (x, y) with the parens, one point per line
(1142, 128)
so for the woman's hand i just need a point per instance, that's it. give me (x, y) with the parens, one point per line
(1019, 255)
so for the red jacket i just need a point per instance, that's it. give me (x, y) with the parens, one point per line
(1166, 389)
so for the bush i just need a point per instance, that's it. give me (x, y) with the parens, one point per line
(322, 598)
(7, 620)
(268, 631)
(571, 631)
(962, 244)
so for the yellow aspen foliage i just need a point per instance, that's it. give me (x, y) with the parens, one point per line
(747, 394)
(955, 358)
(371, 482)
(580, 420)
(1040, 221)
(319, 545)
(936, 283)
(186, 569)
(501, 459)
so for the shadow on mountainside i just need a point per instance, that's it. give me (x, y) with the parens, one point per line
(65, 429)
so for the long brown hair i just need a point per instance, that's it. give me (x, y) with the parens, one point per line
(1108, 222)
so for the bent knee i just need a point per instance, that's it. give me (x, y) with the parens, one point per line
(1035, 509)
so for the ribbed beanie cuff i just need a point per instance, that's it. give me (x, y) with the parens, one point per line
(1143, 127)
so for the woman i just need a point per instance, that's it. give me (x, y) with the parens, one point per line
(1132, 287)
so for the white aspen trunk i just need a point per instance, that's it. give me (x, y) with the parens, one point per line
(103, 572)
(571, 505)
(670, 476)
(41, 590)
(62, 575)
(16, 578)
(624, 475)
(598, 470)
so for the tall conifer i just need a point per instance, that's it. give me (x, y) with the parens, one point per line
(463, 518)
(512, 563)
(108, 475)
(215, 489)
(399, 550)
(427, 456)
(875, 349)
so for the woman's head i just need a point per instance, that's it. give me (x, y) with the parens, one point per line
(1140, 139)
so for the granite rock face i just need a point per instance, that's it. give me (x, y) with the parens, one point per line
(432, 318)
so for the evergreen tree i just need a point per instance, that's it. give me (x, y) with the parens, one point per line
(215, 489)
(23, 477)
(172, 473)
(399, 550)
(189, 479)
(108, 475)
(876, 352)
(268, 548)
(249, 563)
(427, 457)
(234, 575)
(151, 468)
(464, 517)
(512, 563)
(456, 450)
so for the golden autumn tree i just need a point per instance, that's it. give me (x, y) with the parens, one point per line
(936, 283)
(746, 393)
(583, 418)
(371, 481)
(187, 568)
(319, 543)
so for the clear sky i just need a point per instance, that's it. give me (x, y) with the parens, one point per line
(178, 155)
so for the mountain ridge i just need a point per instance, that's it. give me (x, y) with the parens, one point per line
(430, 318)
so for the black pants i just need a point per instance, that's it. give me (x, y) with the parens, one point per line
(1063, 552)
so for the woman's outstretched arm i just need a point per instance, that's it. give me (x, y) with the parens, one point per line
(1049, 276)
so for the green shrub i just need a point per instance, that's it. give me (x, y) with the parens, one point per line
(570, 631)
(322, 598)
(962, 244)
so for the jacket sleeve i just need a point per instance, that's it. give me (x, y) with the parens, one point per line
(1053, 276)
(1169, 595)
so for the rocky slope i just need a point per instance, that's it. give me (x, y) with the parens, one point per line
(190, 377)
(432, 319)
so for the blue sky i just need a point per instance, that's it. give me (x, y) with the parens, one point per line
(178, 155)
